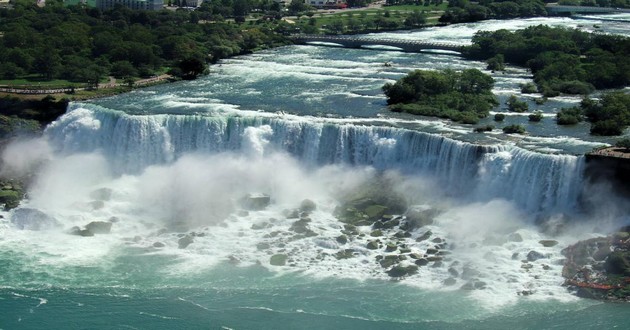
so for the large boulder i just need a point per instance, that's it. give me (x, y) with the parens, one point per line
(33, 219)
(183, 242)
(99, 227)
(278, 259)
(307, 205)
(255, 202)
(419, 216)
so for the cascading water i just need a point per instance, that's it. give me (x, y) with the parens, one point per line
(537, 182)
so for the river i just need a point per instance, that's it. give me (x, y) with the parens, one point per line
(169, 164)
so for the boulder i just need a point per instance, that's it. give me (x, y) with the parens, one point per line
(255, 202)
(342, 239)
(372, 245)
(307, 205)
(158, 245)
(376, 233)
(33, 219)
(278, 259)
(291, 214)
(183, 242)
(344, 254)
(99, 227)
(534, 255)
(10, 199)
(449, 281)
(300, 226)
(389, 261)
(401, 271)
(422, 262)
(548, 242)
(80, 232)
(424, 236)
(391, 247)
(419, 216)
(515, 237)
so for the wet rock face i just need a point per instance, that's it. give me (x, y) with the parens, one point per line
(599, 268)
(33, 219)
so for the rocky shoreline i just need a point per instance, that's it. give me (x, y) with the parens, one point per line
(599, 268)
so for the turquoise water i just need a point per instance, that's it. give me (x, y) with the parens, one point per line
(295, 123)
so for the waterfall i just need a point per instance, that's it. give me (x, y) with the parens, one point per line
(131, 143)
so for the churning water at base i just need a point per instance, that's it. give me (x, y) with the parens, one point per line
(167, 166)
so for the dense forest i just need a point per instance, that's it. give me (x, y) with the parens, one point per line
(464, 96)
(562, 60)
(81, 44)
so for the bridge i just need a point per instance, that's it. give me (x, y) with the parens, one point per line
(411, 46)
(558, 9)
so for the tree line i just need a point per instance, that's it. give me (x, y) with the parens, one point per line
(81, 44)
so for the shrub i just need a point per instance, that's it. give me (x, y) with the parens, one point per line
(514, 129)
(607, 128)
(499, 117)
(529, 88)
(536, 116)
(481, 129)
(516, 105)
(624, 143)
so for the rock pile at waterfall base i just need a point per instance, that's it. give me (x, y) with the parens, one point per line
(599, 268)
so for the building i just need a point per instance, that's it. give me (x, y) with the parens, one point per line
(337, 4)
(133, 4)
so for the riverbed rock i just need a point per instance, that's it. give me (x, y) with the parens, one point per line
(424, 236)
(158, 245)
(99, 227)
(342, 239)
(183, 242)
(401, 271)
(535, 255)
(33, 219)
(255, 202)
(344, 254)
(418, 216)
(278, 259)
(548, 242)
(372, 245)
(307, 205)
(515, 237)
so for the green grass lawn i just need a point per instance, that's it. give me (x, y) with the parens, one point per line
(35, 81)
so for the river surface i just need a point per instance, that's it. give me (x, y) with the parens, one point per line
(172, 162)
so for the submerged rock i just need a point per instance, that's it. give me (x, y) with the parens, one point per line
(33, 219)
(419, 216)
(278, 259)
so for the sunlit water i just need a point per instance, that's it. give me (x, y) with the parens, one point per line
(298, 122)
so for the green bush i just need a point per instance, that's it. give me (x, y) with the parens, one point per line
(482, 129)
(499, 117)
(536, 116)
(624, 143)
(529, 88)
(607, 128)
(514, 129)
(516, 105)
